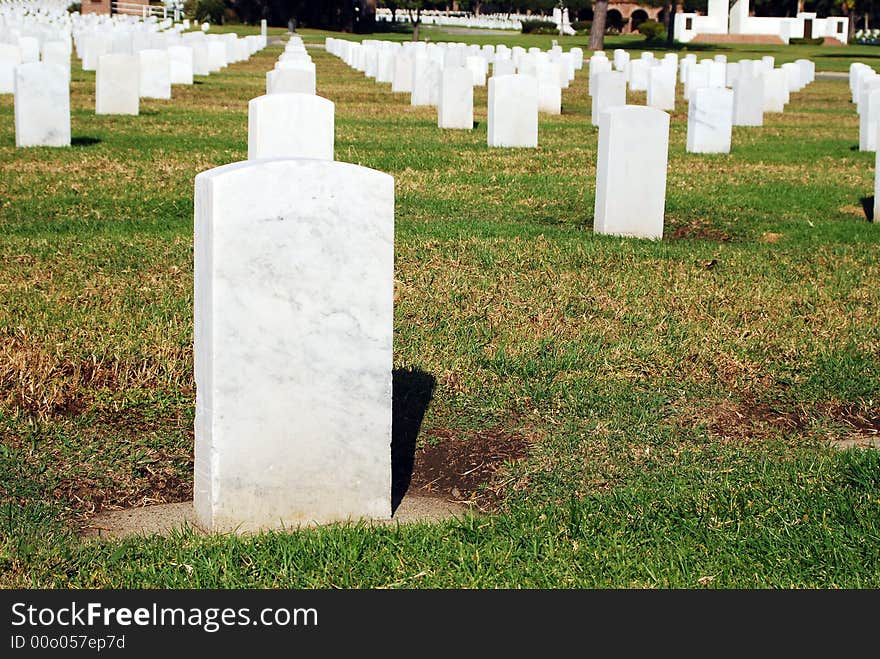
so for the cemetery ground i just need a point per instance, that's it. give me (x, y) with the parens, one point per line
(621, 413)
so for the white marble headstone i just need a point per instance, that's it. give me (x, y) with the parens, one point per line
(294, 289)
(710, 120)
(155, 77)
(631, 171)
(456, 107)
(42, 105)
(117, 85)
(290, 126)
(513, 111)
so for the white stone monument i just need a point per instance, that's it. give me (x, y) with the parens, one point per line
(710, 120)
(180, 63)
(748, 100)
(294, 292)
(661, 87)
(42, 105)
(290, 126)
(155, 76)
(610, 92)
(456, 106)
(513, 111)
(631, 171)
(117, 85)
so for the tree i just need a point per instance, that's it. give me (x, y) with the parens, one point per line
(597, 29)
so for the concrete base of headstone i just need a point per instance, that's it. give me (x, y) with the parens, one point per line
(166, 519)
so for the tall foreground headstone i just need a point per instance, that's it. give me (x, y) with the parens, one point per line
(710, 120)
(513, 111)
(117, 85)
(42, 105)
(294, 289)
(631, 172)
(290, 126)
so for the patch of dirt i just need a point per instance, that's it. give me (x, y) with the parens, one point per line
(461, 462)
(771, 237)
(700, 230)
(750, 420)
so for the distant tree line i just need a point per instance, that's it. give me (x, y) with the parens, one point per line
(360, 15)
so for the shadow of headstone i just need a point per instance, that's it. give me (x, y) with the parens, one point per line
(412, 390)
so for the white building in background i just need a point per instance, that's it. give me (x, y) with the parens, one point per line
(737, 21)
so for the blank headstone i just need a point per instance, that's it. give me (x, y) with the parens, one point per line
(456, 106)
(42, 105)
(57, 53)
(402, 80)
(504, 67)
(10, 57)
(710, 118)
(637, 74)
(155, 78)
(290, 126)
(294, 290)
(610, 92)
(290, 81)
(868, 120)
(117, 84)
(216, 56)
(775, 90)
(549, 90)
(631, 172)
(513, 111)
(201, 59)
(748, 101)
(661, 87)
(426, 83)
(180, 61)
(30, 49)
(477, 67)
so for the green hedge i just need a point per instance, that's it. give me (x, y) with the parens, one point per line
(539, 27)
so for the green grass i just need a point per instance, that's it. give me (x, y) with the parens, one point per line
(681, 399)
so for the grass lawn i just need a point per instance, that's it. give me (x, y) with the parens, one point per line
(679, 405)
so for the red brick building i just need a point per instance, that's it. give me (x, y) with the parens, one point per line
(107, 7)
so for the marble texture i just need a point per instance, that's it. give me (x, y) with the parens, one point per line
(631, 171)
(290, 126)
(513, 111)
(10, 57)
(748, 100)
(661, 87)
(155, 75)
(710, 120)
(42, 105)
(117, 85)
(291, 81)
(180, 62)
(456, 106)
(610, 92)
(293, 298)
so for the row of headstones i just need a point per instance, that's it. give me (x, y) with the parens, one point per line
(713, 109)
(522, 85)
(864, 86)
(418, 69)
(42, 90)
(294, 72)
